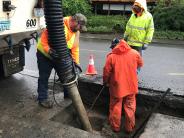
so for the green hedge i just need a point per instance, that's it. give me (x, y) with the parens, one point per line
(169, 21)
(169, 18)
(70, 7)
(105, 23)
(172, 35)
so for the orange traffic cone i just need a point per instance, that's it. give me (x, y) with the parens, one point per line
(91, 67)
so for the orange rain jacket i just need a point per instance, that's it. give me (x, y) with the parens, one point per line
(120, 70)
(71, 39)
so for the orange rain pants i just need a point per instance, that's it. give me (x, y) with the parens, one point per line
(115, 109)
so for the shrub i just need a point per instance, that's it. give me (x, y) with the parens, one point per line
(70, 7)
(173, 35)
(169, 18)
(106, 23)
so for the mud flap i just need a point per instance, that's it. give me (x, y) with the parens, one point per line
(13, 63)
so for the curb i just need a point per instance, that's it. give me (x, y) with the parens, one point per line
(111, 36)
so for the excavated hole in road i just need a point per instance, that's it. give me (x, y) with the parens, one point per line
(98, 116)
(98, 119)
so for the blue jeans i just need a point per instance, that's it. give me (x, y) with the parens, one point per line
(45, 67)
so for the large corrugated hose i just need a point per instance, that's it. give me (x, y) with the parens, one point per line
(64, 64)
(56, 37)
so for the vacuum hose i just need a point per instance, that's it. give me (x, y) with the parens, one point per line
(56, 38)
(63, 65)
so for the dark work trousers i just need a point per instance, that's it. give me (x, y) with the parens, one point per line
(45, 67)
(138, 49)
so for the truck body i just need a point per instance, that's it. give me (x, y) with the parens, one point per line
(20, 22)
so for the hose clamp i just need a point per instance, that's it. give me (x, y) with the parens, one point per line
(69, 83)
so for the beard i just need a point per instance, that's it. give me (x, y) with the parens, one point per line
(74, 30)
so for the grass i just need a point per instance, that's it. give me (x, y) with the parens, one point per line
(172, 35)
(104, 24)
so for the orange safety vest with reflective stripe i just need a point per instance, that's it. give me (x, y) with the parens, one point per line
(72, 40)
(70, 36)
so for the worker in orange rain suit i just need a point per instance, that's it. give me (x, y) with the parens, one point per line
(120, 75)
(72, 27)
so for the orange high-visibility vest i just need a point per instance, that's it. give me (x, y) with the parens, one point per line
(70, 36)
(72, 43)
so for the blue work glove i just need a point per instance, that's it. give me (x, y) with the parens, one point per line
(53, 53)
(138, 70)
(125, 37)
(145, 46)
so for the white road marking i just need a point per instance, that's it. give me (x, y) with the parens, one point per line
(176, 74)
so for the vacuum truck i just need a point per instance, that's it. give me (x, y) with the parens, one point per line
(20, 22)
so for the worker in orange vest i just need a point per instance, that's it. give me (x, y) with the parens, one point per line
(120, 75)
(72, 27)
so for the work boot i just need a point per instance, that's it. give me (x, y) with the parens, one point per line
(116, 130)
(46, 103)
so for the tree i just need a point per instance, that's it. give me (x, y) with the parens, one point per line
(70, 7)
(168, 3)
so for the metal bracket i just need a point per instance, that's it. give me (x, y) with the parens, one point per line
(9, 41)
(35, 35)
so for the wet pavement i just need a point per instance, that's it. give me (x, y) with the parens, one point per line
(163, 68)
(22, 117)
(163, 64)
(163, 126)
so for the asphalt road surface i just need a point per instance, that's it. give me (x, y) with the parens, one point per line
(164, 66)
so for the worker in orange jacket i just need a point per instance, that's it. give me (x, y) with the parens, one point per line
(120, 75)
(72, 27)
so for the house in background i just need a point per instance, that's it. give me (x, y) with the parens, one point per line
(116, 6)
